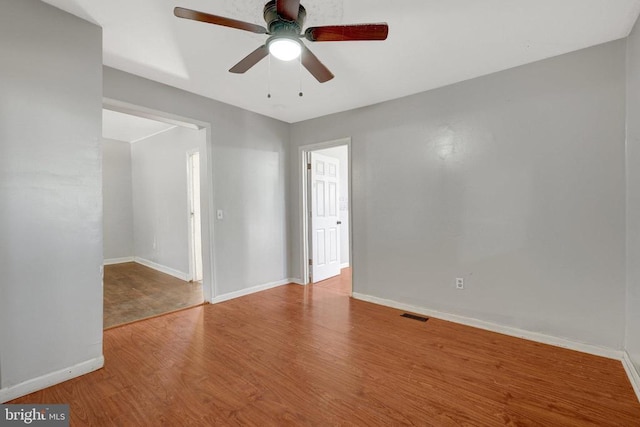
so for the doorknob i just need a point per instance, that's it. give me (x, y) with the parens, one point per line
(339, 222)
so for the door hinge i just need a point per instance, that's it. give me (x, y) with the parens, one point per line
(310, 262)
(308, 166)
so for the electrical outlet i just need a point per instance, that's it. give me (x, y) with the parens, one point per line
(459, 283)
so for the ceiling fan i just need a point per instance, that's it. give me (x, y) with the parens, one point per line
(285, 20)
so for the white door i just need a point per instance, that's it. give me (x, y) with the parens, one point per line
(325, 235)
(194, 207)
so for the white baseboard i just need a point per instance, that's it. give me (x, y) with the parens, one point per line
(296, 281)
(112, 261)
(162, 268)
(53, 378)
(494, 327)
(344, 265)
(249, 291)
(632, 373)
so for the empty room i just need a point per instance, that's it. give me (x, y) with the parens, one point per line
(418, 213)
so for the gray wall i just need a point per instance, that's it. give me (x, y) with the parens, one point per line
(513, 181)
(160, 196)
(342, 153)
(249, 156)
(50, 191)
(117, 199)
(632, 343)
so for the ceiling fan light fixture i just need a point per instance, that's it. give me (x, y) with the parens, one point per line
(285, 21)
(285, 48)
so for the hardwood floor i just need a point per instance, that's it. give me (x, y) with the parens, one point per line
(340, 284)
(133, 292)
(297, 355)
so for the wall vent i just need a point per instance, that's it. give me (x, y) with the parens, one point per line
(414, 317)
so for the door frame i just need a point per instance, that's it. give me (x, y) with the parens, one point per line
(209, 288)
(304, 194)
(193, 255)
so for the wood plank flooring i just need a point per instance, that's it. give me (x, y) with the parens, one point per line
(133, 292)
(340, 284)
(297, 355)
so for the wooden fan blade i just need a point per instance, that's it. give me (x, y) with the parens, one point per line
(338, 33)
(314, 66)
(288, 9)
(194, 15)
(250, 60)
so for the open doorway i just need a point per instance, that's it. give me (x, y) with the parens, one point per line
(154, 218)
(326, 218)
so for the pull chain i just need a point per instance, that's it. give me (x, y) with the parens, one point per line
(300, 74)
(269, 78)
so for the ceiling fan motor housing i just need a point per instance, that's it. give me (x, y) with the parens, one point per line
(277, 25)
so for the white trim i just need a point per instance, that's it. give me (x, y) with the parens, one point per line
(344, 265)
(494, 327)
(112, 261)
(297, 282)
(304, 224)
(249, 291)
(148, 113)
(163, 269)
(53, 378)
(190, 232)
(632, 373)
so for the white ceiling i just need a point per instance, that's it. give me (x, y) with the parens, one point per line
(431, 43)
(128, 128)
